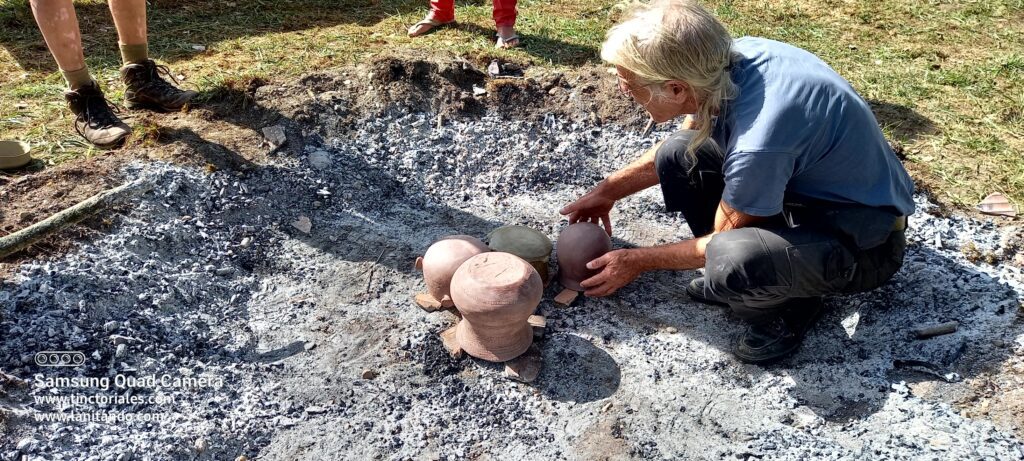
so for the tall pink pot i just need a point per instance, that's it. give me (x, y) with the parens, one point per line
(496, 293)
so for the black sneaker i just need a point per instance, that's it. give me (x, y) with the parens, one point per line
(145, 89)
(696, 291)
(766, 343)
(94, 117)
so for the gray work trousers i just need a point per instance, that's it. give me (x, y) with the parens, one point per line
(812, 249)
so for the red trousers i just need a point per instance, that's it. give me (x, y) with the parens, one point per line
(504, 11)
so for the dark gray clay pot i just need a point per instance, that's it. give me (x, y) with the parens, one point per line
(579, 244)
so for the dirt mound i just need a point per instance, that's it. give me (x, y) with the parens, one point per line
(453, 87)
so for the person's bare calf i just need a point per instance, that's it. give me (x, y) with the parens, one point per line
(95, 119)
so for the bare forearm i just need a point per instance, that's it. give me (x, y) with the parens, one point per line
(691, 254)
(635, 177)
(685, 255)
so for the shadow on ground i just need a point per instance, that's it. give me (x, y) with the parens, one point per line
(905, 124)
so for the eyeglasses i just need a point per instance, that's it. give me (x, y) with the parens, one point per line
(624, 86)
(627, 89)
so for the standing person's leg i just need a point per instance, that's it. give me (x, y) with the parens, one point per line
(144, 87)
(59, 25)
(504, 14)
(94, 119)
(130, 20)
(441, 12)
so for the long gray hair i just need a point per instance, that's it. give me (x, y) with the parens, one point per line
(676, 40)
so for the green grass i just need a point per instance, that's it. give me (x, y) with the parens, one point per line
(946, 76)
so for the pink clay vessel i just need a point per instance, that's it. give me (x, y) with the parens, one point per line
(443, 258)
(496, 293)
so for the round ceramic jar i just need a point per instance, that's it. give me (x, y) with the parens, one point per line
(579, 244)
(527, 243)
(443, 258)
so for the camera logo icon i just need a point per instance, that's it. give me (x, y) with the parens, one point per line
(60, 358)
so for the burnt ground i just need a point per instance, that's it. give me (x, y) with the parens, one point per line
(222, 131)
(206, 276)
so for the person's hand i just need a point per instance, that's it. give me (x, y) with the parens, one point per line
(618, 268)
(593, 207)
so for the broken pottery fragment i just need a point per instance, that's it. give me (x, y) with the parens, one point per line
(443, 258)
(496, 294)
(14, 154)
(524, 242)
(997, 204)
(275, 136)
(303, 224)
(579, 244)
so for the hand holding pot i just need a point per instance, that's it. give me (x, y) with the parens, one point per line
(617, 269)
(593, 207)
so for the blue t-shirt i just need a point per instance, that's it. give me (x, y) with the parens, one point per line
(798, 129)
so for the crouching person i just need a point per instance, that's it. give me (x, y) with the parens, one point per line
(783, 175)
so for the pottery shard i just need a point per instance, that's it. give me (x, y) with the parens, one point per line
(526, 367)
(997, 204)
(566, 297)
(579, 244)
(320, 160)
(450, 343)
(443, 258)
(539, 323)
(275, 136)
(496, 293)
(303, 224)
(427, 302)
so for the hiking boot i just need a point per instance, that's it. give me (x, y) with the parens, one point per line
(146, 89)
(768, 342)
(94, 116)
(696, 292)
